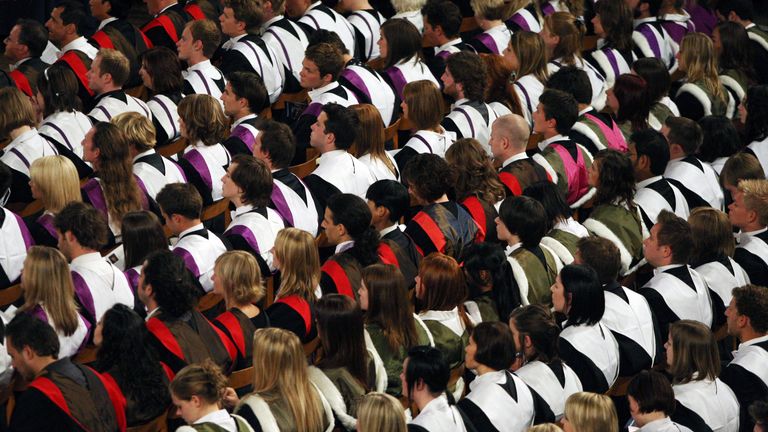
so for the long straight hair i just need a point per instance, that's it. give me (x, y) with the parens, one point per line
(299, 261)
(340, 327)
(531, 54)
(370, 135)
(698, 54)
(388, 305)
(444, 285)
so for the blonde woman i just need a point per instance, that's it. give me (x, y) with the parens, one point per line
(49, 295)
(523, 15)
(489, 15)
(369, 143)
(283, 398)
(527, 56)
(204, 125)
(150, 168)
(590, 412)
(702, 94)
(545, 427)
(295, 256)
(380, 412)
(237, 278)
(54, 182)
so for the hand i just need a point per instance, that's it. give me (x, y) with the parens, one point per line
(230, 398)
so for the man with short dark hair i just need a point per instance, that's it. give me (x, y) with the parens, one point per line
(244, 97)
(747, 320)
(649, 37)
(61, 395)
(442, 22)
(181, 205)
(743, 12)
(197, 45)
(695, 178)
(167, 24)
(676, 291)
(108, 73)
(288, 38)
(24, 47)
(388, 201)
(565, 161)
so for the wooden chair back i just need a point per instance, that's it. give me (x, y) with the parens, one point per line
(175, 148)
(242, 378)
(305, 169)
(159, 424)
(300, 97)
(209, 301)
(32, 208)
(390, 133)
(86, 355)
(10, 295)
(220, 207)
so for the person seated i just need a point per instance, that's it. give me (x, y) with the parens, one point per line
(316, 15)
(237, 279)
(425, 381)
(388, 201)
(26, 144)
(197, 392)
(565, 161)
(24, 48)
(495, 35)
(740, 166)
(60, 394)
(525, 16)
(498, 94)
(585, 343)
(178, 332)
(586, 410)
(161, 74)
(521, 224)
(526, 55)
(322, 65)
(736, 70)
(109, 71)
(408, 10)
(378, 411)
(55, 184)
(538, 363)
(651, 402)
(442, 23)
(196, 46)
(721, 141)
(508, 142)
(142, 379)
(248, 184)
(332, 135)
(702, 399)
(627, 314)
(181, 205)
(291, 198)
(151, 169)
(441, 225)
(743, 13)
(492, 294)
(246, 51)
(676, 291)
(284, 396)
(749, 213)
(366, 21)
(205, 160)
(649, 152)
(648, 35)
(613, 55)
(497, 400)
(658, 82)
(143, 234)
(244, 97)
(296, 257)
(400, 46)
(702, 94)
(370, 143)
(167, 24)
(99, 285)
(291, 38)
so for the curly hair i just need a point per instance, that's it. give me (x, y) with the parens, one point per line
(204, 119)
(429, 176)
(468, 70)
(171, 282)
(473, 171)
(617, 179)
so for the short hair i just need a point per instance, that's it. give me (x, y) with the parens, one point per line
(695, 355)
(756, 198)
(118, 8)
(246, 11)
(203, 380)
(651, 143)
(403, 41)
(172, 284)
(25, 330)
(495, 345)
(59, 87)
(712, 235)
(573, 80)
(468, 69)
(656, 76)
(34, 35)
(390, 194)
(445, 14)
(88, 225)
(73, 12)
(17, 110)
(587, 301)
(429, 175)
(116, 64)
(381, 412)
(253, 177)
(632, 96)
(743, 8)
(536, 322)
(427, 365)
(758, 411)
(342, 123)
(552, 199)
(56, 179)
(425, 104)
(752, 302)
(278, 142)
(139, 131)
(327, 58)
(560, 106)
(181, 199)
(684, 132)
(741, 166)
(489, 9)
(204, 119)
(164, 66)
(602, 255)
(240, 275)
(249, 86)
(652, 392)
(330, 37)
(524, 217)
(675, 232)
(591, 412)
(515, 128)
(207, 32)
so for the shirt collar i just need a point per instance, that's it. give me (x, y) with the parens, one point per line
(544, 143)
(18, 63)
(215, 417)
(197, 227)
(165, 9)
(104, 22)
(152, 313)
(346, 245)
(313, 94)
(245, 208)
(75, 45)
(141, 155)
(460, 102)
(664, 268)
(586, 110)
(648, 181)
(756, 340)
(517, 157)
(639, 21)
(242, 119)
(266, 25)
(313, 5)
(447, 45)
(200, 66)
(388, 230)
(89, 257)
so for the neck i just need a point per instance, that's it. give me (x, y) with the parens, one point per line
(150, 304)
(486, 24)
(753, 226)
(109, 88)
(19, 131)
(204, 411)
(582, 107)
(234, 35)
(268, 15)
(482, 369)
(248, 309)
(676, 154)
(645, 418)
(549, 133)
(76, 251)
(346, 58)
(237, 201)
(643, 175)
(344, 238)
(383, 224)
(748, 333)
(442, 39)
(422, 398)
(360, 5)
(195, 59)
(513, 239)
(67, 40)
(242, 113)
(187, 224)
(40, 363)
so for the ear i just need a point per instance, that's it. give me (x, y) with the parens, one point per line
(197, 45)
(176, 218)
(70, 28)
(267, 5)
(752, 216)
(327, 78)
(733, 17)
(527, 342)
(643, 162)
(556, 38)
(27, 353)
(420, 385)
(342, 230)
(69, 237)
(196, 401)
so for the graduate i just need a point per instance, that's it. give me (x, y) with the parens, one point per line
(108, 73)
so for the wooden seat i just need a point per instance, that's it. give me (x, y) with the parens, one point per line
(376, 64)
(619, 388)
(305, 169)
(300, 97)
(159, 424)
(220, 207)
(174, 148)
(468, 24)
(266, 113)
(86, 355)
(10, 295)
(209, 301)
(32, 208)
(242, 378)
(457, 373)
(534, 140)
(311, 346)
(589, 42)
(390, 133)
(139, 91)
(269, 291)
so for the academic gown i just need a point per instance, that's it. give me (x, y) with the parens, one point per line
(199, 248)
(706, 405)
(13, 249)
(499, 401)
(752, 255)
(552, 382)
(293, 201)
(747, 376)
(593, 353)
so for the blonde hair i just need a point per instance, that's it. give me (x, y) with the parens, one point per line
(299, 263)
(17, 111)
(380, 412)
(204, 119)
(570, 31)
(203, 380)
(138, 130)
(47, 281)
(531, 53)
(57, 180)
(490, 10)
(240, 275)
(289, 382)
(698, 54)
(756, 198)
(591, 412)
(116, 64)
(408, 5)
(545, 427)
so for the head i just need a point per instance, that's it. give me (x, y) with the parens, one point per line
(347, 216)
(464, 76)
(329, 37)
(109, 71)
(17, 111)
(423, 104)
(670, 241)
(139, 131)
(562, 34)
(754, 113)
(712, 235)
(577, 293)
(490, 345)
(161, 70)
(656, 77)
(731, 41)
(244, 93)
(440, 282)
(521, 219)
(650, 392)
(46, 280)
(527, 54)
(31, 343)
(613, 176)
(556, 113)
(749, 209)
(202, 119)
(275, 143)
(442, 21)
(740, 166)
(736, 10)
(428, 177)
(380, 412)
(27, 38)
(590, 412)
(237, 277)
(369, 138)
(80, 226)
(574, 81)
(66, 22)
(197, 389)
(613, 22)
(498, 86)
(198, 41)
(240, 17)
(649, 152)
(509, 136)
(489, 10)
(118, 328)
(388, 201)
(473, 171)
(552, 199)
(103, 9)
(629, 101)
(322, 65)
(425, 371)
(697, 57)
(600, 254)
(248, 181)
(400, 40)
(55, 182)
(180, 203)
(57, 90)
(758, 411)
(340, 329)
(334, 129)
(691, 349)
(166, 282)
(747, 311)
(535, 333)
(142, 234)
(296, 256)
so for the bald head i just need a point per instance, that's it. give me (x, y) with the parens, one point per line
(509, 136)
